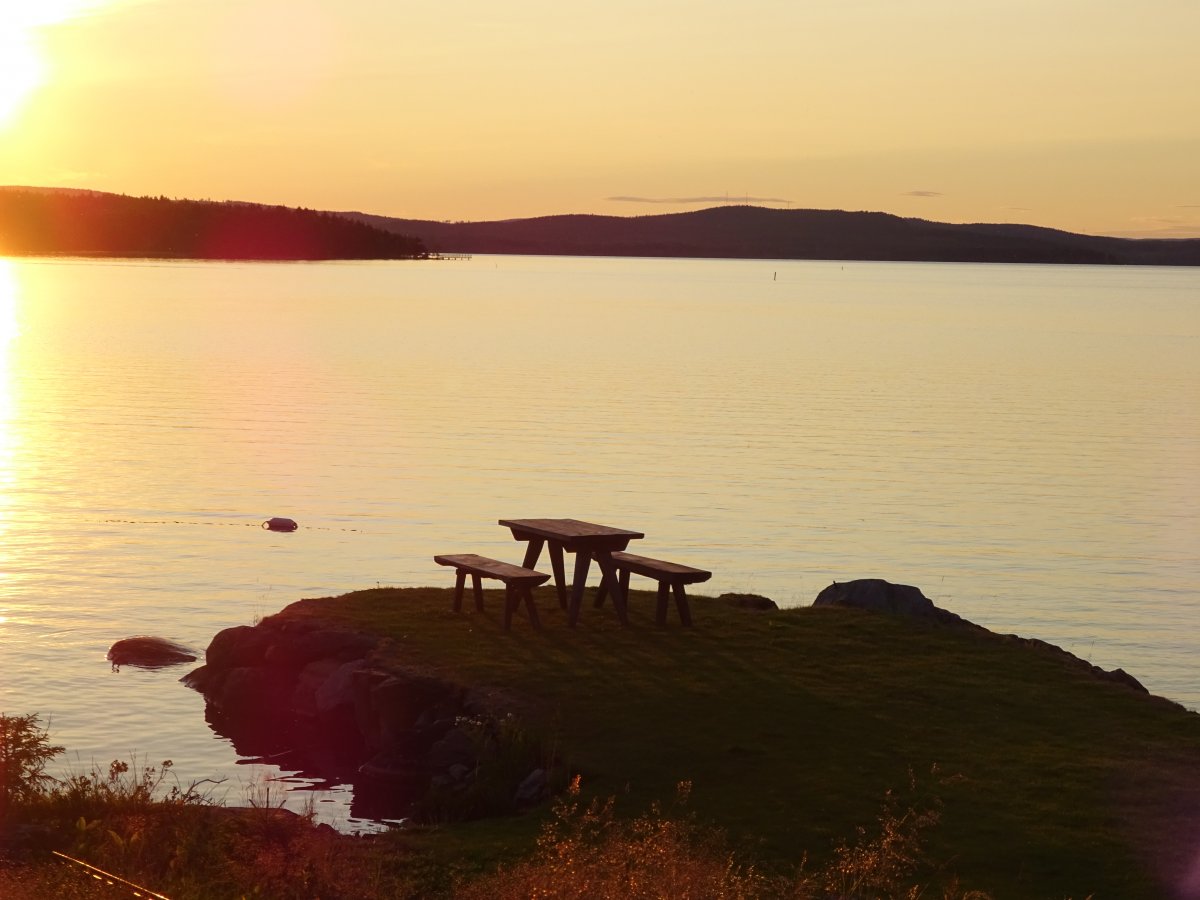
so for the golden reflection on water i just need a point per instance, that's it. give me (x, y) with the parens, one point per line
(9, 330)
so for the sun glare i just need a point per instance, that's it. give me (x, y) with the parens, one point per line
(20, 70)
(9, 298)
(8, 304)
(22, 64)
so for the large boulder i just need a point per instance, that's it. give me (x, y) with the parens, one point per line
(877, 595)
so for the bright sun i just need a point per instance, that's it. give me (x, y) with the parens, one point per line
(22, 67)
(20, 70)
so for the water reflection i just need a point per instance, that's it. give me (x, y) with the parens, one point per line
(9, 330)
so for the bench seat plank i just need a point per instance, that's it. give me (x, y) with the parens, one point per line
(660, 569)
(518, 582)
(671, 578)
(492, 568)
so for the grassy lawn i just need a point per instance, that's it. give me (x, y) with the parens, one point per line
(792, 725)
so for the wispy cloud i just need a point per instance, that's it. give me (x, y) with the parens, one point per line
(1162, 227)
(923, 194)
(1018, 208)
(723, 198)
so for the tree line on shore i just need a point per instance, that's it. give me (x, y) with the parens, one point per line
(49, 222)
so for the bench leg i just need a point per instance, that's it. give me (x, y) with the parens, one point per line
(601, 593)
(477, 584)
(560, 573)
(510, 602)
(527, 595)
(660, 613)
(609, 568)
(681, 601)
(460, 579)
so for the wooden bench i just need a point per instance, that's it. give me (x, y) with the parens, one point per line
(671, 578)
(517, 582)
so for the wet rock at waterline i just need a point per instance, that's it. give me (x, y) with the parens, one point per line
(319, 697)
(148, 652)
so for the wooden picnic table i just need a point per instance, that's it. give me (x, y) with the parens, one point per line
(586, 540)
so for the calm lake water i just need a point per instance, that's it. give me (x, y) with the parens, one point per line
(1021, 442)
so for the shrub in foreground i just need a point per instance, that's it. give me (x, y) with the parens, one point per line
(177, 841)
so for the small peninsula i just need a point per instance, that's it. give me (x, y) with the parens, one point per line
(1046, 775)
(42, 222)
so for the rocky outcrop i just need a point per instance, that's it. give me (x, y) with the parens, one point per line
(877, 595)
(148, 652)
(1116, 676)
(318, 699)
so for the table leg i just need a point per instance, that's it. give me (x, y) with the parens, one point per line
(477, 587)
(583, 561)
(532, 552)
(601, 593)
(560, 577)
(609, 568)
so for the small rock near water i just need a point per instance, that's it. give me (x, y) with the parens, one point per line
(148, 652)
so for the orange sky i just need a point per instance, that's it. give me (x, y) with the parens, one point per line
(1074, 114)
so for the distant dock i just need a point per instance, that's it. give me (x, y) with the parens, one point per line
(449, 256)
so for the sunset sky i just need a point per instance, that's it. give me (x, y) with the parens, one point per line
(1075, 114)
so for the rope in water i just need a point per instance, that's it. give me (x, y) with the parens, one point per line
(110, 879)
(233, 524)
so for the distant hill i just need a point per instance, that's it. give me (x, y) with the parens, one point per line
(74, 221)
(42, 221)
(751, 232)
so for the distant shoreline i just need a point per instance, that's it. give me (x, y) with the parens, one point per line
(53, 222)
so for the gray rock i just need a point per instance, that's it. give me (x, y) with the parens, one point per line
(294, 649)
(336, 692)
(242, 645)
(252, 692)
(878, 595)
(532, 789)
(455, 748)
(399, 700)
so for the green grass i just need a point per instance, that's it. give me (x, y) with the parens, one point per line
(792, 725)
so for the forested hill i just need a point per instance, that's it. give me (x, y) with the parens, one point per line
(751, 232)
(35, 221)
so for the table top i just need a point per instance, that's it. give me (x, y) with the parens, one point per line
(568, 531)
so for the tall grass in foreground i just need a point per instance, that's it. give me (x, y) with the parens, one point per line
(176, 841)
(585, 851)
